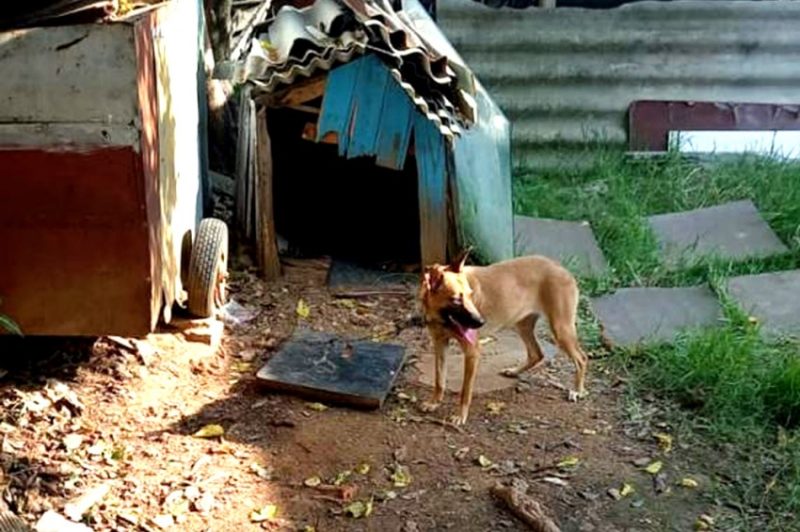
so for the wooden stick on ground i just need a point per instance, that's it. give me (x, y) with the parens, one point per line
(525, 508)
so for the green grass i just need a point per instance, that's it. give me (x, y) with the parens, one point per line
(736, 389)
(616, 194)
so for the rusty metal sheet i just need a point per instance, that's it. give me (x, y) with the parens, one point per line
(651, 121)
(75, 242)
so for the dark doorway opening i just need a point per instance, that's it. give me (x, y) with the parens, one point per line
(350, 209)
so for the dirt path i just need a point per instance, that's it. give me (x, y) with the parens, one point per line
(135, 435)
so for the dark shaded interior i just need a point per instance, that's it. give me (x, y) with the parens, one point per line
(348, 209)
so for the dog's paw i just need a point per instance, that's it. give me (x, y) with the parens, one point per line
(574, 396)
(429, 406)
(457, 421)
(511, 373)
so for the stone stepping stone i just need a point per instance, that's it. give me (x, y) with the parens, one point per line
(773, 298)
(505, 350)
(571, 243)
(633, 316)
(330, 368)
(733, 231)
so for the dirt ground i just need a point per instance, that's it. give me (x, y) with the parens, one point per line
(89, 415)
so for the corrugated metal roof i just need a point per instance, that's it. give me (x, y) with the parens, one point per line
(566, 77)
(299, 42)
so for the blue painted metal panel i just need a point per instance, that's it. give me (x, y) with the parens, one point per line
(483, 183)
(394, 135)
(368, 98)
(337, 107)
(431, 167)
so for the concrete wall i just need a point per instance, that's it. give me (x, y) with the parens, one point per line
(567, 76)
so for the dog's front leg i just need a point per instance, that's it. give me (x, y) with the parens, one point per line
(471, 356)
(440, 377)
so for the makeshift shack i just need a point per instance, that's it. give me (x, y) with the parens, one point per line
(102, 167)
(379, 143)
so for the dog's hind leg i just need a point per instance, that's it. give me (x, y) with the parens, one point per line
(563, 318)
(526, 329)
(440, 375)
(566, 337)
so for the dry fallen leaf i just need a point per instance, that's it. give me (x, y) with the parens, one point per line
(303, 310)
(654, 467)
(210, 431)
(570, 461)
(626, 490)
(704, 522)
(363, 469)
(359, 509)
(555, 480)
(688, 482)
(341, 477)
(317, 407)
(267, 513)
(401, 477)
(483, 461)
(72, 441)
(495, 407)
(664, 441)
(261, 471)
(461, 453)
(163, 521)
(312, 482)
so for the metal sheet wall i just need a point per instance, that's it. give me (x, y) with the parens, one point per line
(565, 77)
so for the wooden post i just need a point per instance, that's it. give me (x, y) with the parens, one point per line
(547, 4)
(266, 238)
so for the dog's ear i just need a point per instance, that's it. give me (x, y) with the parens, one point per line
(432, 278)
(458, 262)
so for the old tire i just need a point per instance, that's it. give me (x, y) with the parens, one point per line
(208, 268)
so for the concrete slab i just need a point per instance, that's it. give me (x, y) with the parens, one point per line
(634, 316)
(327, 367)
(504, 349)
(571, 243)
(773, 298)
(733, 231)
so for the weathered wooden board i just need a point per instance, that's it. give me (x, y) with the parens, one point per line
(326, 367)
(337, 104)
(394, 135)
(368, 98)
(432, 178)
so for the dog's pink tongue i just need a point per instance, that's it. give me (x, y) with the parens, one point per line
(471, 336)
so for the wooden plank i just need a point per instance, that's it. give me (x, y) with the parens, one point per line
(252, 174)
(301, 93)
(368, 98)
(432, 178)
(266, 237)
(394, 135)
(242, 158)
(337, 104)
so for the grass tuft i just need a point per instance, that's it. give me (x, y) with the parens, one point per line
(738, 388)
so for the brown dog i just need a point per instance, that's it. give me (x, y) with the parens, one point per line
(458, 300)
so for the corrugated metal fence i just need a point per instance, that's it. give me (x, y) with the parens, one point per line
(565, 77)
